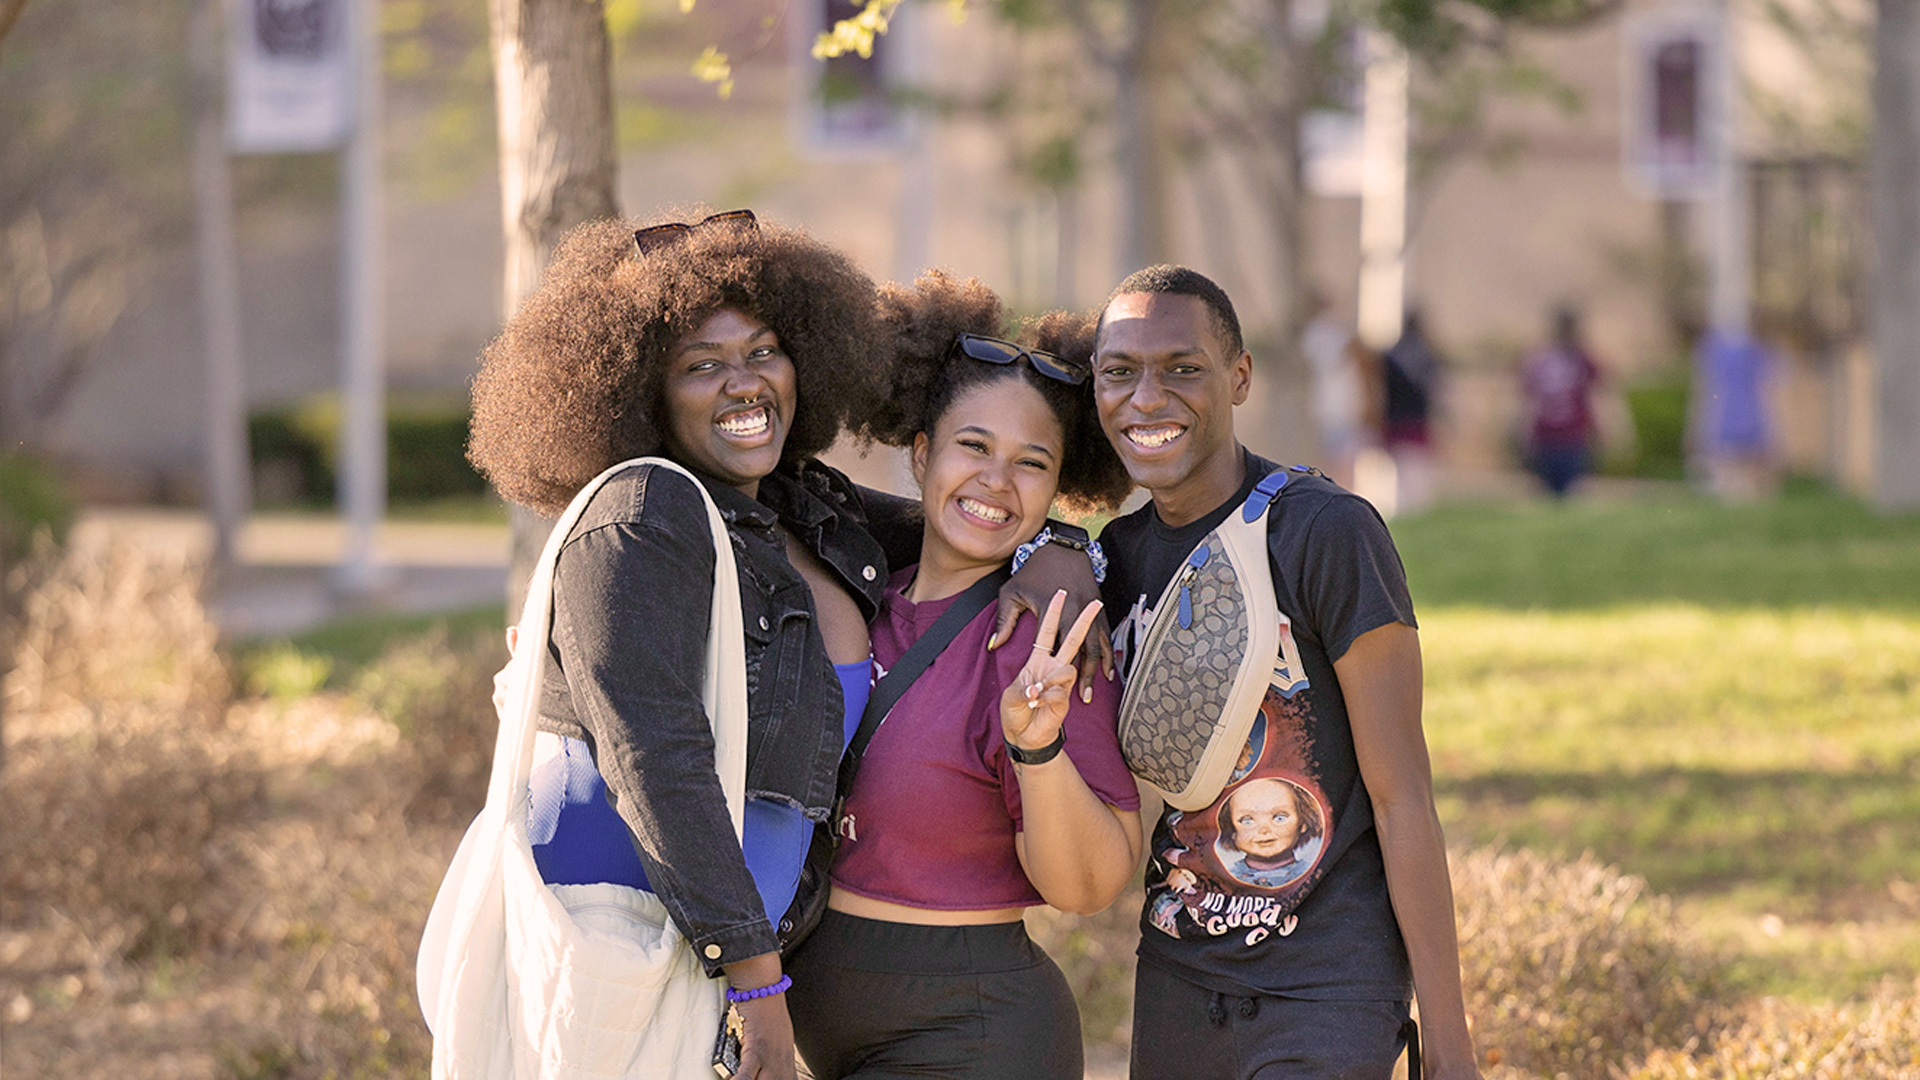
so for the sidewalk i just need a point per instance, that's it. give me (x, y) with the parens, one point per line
(282, 580)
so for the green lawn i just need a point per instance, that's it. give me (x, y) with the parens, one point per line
(1811, 548)
(1723, 700)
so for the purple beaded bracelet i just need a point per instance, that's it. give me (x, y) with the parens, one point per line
(772, 988)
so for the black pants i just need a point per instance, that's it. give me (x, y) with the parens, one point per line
(877, 1000)
(1187, 1032)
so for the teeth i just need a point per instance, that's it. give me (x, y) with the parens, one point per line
(748, 423)
(982, 510)
(1154, 438)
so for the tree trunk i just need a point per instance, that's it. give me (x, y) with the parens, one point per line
(1893, 180)
(1141, 74)
(9, 14)
(553, 92)
(1286, 186)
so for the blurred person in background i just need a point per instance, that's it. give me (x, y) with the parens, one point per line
(1411, 375)
(1557, 382)
(1732, 426)
(1341, 387)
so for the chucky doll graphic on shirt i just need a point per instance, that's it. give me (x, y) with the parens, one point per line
(1242, 864)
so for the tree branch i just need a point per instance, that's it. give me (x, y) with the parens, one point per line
(1092, 39)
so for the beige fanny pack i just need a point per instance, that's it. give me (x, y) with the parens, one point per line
(1214, 647)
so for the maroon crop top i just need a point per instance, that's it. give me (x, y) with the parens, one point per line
(935, 808)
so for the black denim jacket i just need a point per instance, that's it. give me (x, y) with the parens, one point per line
(632, 596)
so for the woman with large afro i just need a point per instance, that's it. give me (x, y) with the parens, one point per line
(735, 348)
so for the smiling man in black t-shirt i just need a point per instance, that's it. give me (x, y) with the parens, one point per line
(1287, 925)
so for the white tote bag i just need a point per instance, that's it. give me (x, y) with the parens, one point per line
(522, 981)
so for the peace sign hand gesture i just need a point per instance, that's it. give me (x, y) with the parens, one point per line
(1034, 706)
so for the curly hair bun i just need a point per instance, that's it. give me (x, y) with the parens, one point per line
(919, 325)
(924, 377)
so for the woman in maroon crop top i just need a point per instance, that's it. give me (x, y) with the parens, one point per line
(989, 788)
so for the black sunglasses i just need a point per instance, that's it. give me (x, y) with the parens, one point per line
(995, 351)
(654, 237)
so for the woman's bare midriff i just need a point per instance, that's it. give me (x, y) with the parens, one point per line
(885, 911)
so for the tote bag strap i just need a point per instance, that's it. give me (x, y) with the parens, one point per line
(461, 970)
(725, 683)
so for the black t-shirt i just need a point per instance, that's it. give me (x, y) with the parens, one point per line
(1278, 886)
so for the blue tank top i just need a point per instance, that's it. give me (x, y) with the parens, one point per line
(579, 839)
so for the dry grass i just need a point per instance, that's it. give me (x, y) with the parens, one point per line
(1572, 968)
(198, 887)
(1878, 1039)
(1096, 953)
(121, 770)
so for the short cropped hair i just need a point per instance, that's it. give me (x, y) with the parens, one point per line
(574, 383)
(1181, 281)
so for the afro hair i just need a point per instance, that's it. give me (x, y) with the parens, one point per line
(573, 383)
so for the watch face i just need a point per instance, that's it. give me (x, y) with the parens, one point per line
(1069, 536)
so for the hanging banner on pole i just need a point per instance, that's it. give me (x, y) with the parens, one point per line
(1672, 113)
(289, 88)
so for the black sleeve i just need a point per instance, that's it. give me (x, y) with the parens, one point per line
(1351, 577)
(631, 603)
(895, 521)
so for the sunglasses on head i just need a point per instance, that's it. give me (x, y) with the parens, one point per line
(995, 351)
(654, 237)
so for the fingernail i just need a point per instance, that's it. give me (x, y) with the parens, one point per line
(994, 641)
(1086, 695)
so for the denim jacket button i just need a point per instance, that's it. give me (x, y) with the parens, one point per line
(763, 622)
(869, 573)
(713, 952)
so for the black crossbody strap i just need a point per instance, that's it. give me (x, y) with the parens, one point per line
(914, 661)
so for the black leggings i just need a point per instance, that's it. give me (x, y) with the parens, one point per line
(875, 1000)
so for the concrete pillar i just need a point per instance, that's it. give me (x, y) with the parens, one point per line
(1894, 193)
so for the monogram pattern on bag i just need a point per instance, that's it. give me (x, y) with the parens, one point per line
(1181, 680)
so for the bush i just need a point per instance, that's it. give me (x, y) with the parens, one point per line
(438, 691)
(1876, 1040)
(1572, 968)
(118, 774)
(32, 498)
(296, 450)
(1659, 411)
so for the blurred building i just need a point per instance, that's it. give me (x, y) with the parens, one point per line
(1518, 203)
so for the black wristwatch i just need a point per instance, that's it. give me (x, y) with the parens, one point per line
(1069, 536)
(1040, 756)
